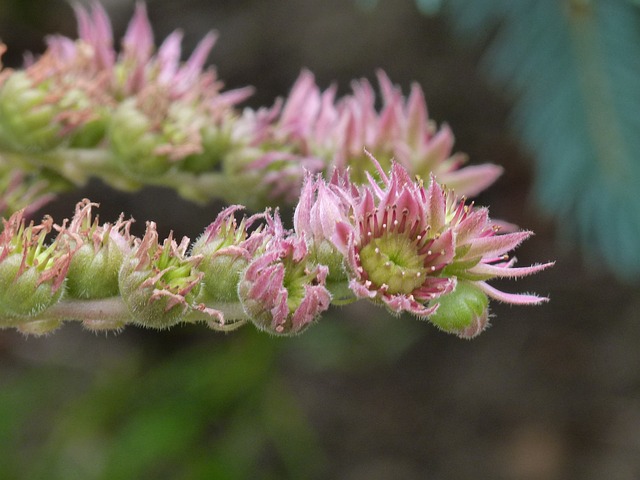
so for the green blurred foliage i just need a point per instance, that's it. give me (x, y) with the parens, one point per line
(219, 408)
(210, 411)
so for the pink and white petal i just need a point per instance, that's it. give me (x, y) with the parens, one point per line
(404, 303)
(437, 206)
(360, 290)
(512, 298)
(472, 180)
(496, 245)
(507, 271)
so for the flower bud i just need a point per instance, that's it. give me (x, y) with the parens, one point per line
(27, 119)
(98, 254)
(464, 311)
(159, 282)
(134, 141)
(216, 144)
(318, 212)
(225, 252)
(32, 275)
(282, 291)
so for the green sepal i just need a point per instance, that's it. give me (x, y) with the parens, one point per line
(23, 295)
(145, 311)
(460, 309)
(94, 274)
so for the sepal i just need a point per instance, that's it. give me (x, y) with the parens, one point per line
(463, 312)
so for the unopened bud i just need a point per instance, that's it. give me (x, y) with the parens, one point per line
(464, 312)
(159, 282)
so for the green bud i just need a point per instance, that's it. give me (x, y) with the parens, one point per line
(158, 283)
(27, 120)
(464, 312)
(134, 141)
(32, 275)
(22, 291)
(98, 253)
(225, 253)
(216, 144)
(94, 274)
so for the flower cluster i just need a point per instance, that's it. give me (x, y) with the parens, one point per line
(363, 228)
(141, 116)
(414, 248)
(313, 131)
(394, 241)
(147, 111)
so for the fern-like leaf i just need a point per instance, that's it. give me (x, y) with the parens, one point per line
(574, 67)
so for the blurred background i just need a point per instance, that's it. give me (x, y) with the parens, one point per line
(551, 392)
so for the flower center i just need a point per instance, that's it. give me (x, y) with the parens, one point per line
(393, 261)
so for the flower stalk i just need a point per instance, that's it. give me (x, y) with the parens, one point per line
(366, 225)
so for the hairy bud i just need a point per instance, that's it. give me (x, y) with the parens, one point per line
(158, 282)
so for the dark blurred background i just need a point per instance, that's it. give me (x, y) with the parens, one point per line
(550, 392)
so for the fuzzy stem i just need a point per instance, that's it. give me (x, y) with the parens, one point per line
(107, 309)
(76, 165)
(114, 311)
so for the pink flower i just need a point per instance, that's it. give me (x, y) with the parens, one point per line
(406, 246)
(82, 84)
(314, 124)
(391, 253)
(281, 290)
(320, 208)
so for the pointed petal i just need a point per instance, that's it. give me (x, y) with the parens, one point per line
(512, 298)
(472, 180)
(496, 245)
(508, 272)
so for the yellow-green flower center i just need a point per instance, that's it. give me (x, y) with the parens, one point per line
(393, 261)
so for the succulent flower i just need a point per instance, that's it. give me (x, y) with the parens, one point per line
(158, 282)
(392, 255)
(313, 124)
(403, 131)
(408, 247)
(152, 110)
(281, 290)
(225, 249)
(32, 274)
(320, 208)
(99, 251)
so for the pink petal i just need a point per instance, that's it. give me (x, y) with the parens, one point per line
(139, 35)
(496, 245)
(513, 298)
(472, 180)
(508, 272)
(437, 207)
